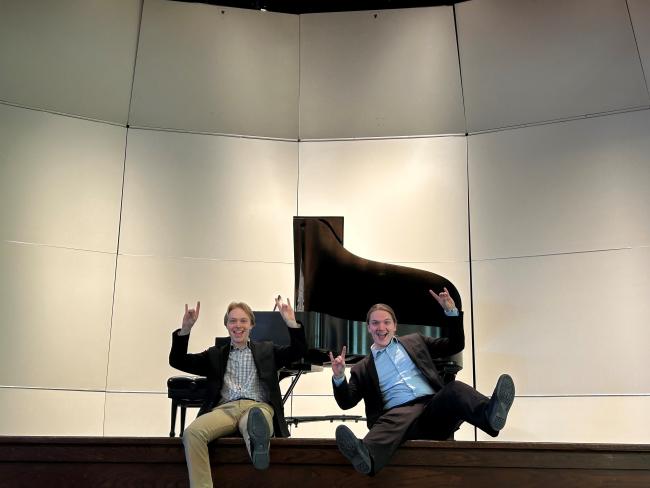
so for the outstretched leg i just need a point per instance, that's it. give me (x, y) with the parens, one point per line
(458, 402)
(386, 435)
(256, 427)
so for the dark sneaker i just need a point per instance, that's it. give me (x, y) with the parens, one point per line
(259, 433)
(500, 403)
(353, 449)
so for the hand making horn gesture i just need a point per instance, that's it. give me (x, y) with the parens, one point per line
(444, 299)
(190, 317)
(286, 312)
(338, 364)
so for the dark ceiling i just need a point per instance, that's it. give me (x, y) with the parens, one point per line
(313, 6)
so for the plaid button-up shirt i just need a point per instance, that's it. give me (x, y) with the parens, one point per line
(241, 379)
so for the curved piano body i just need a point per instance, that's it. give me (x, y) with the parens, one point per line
(334, 290)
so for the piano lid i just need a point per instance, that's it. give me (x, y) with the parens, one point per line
(330, 279)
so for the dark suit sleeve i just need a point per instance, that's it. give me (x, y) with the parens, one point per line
(348, 393)
(285, 355)
(453, 342)
(197, 364)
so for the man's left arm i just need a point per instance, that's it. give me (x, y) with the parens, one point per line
(285, 355)
(454, 337)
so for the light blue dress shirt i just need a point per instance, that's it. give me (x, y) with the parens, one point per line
(400, 380)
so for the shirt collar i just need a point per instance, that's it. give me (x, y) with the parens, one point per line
(234, 348)
(376, 350)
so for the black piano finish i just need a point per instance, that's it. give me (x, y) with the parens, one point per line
(334, 290)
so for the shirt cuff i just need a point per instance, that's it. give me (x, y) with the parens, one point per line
(338, 381)
(292, 324)
(452, 313)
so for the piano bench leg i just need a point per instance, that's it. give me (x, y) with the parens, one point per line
(183, 411)
(174, 408)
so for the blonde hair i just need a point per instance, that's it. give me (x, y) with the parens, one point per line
(381, 306)
(244, 306)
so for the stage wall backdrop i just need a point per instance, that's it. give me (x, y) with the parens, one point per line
(153, 153)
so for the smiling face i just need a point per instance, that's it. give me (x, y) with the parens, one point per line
(239, 326)
(381, 327)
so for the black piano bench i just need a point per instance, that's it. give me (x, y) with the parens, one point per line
(185, 391)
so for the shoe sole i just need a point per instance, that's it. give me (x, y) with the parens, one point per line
(505, 393)
(258, 430)
(349, 446)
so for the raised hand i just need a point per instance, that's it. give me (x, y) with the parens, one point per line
(444, 299)
(338, 364)
(190, 317)
(286, 311)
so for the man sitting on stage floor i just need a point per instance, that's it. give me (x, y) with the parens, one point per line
(403, 394)
(243, 388)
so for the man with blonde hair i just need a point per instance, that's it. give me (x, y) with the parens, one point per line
(404, 396)
(243, 388)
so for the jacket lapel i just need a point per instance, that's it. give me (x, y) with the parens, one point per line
(372, 372)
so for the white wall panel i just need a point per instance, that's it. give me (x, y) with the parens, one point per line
(149, 303)
(403, 200)
(141, 415)
(566, 324)
(25, 412)
(56, 306)
(527, 61)
(572, 186)
(387, 73)
(640, 14)
(60, 179)
(214, 69)
(209, 196)
(578, 419)
(69, 56)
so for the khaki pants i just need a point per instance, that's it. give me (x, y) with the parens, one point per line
(221, 421)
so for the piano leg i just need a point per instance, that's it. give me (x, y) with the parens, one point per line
(291, 387)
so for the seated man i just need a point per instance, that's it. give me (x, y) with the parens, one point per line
(243, 388)
(403, 394)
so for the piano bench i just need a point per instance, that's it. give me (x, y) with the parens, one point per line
(185, 391)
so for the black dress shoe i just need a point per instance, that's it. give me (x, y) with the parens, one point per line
(258, 431)
(353, 449)
(500, 403)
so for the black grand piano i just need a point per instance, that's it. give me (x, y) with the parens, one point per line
(333, 291)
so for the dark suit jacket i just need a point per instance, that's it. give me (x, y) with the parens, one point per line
(212, 362)
(364, 382)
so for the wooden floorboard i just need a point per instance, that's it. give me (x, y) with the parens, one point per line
(313, 463)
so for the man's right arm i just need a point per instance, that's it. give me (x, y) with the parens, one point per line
(347, 393)
(197, 364)
(178, 356)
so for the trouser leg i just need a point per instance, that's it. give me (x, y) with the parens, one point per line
(389, 432)
(266, 409)
(455, 403)
(219, 422)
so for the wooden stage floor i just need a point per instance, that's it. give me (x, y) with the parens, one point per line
(312, 463)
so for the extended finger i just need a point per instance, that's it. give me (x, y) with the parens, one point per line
(435, 295)
(331, 357)
(198, 307)
(186, 309)
(343, 353)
